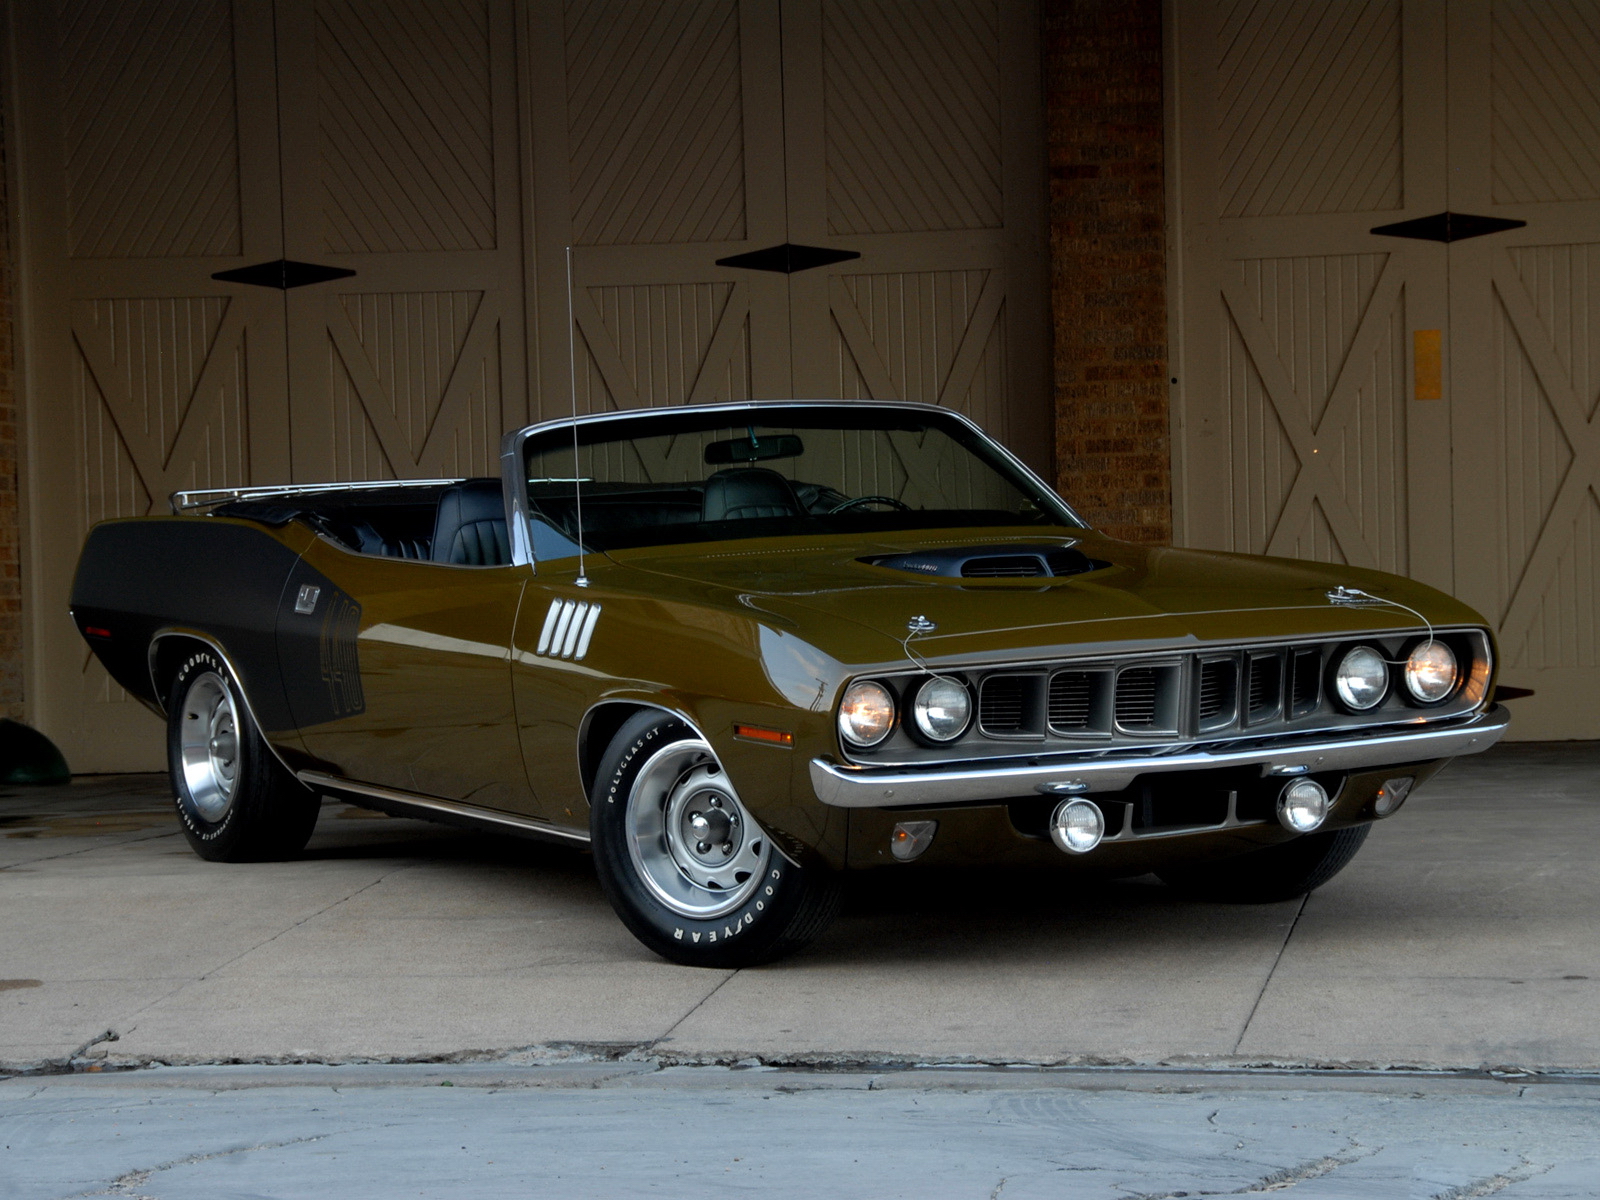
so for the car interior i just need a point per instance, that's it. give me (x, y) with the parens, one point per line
(462, 524)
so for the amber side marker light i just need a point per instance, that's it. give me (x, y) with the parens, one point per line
(771, 737)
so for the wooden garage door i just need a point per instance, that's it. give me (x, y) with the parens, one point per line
(145, 170)
(1306, 424)
(164, 142)
(885, 133)
(401, 165)
(1525, 346)
(437, 157)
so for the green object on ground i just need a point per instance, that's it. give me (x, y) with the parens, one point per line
(27, 756)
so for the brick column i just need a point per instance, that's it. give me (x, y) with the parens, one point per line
(1102, 74)
(10, 542)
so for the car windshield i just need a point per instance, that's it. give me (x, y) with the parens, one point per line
(773, 471)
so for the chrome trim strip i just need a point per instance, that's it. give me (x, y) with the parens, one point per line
(587, 633)
(866, 787)
(423, 805)
(181, 502)
(549, 627)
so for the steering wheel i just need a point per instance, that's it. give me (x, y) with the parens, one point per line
(860, 500)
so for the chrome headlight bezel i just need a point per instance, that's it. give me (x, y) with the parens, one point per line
(1343, 685)
(920, 705)
(1431, 646)
(862, 691)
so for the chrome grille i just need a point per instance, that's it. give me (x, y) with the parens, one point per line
(1147, 699)
(1305, 686)
(1002, 705)
(1071, 701)
(1219, 682)
(1136, 698)
(1265, 670)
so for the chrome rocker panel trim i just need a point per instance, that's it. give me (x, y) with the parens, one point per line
(868, 787)
(434, 808)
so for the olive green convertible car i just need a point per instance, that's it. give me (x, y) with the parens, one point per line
(738, 650)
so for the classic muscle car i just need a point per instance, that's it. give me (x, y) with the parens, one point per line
(738, 650)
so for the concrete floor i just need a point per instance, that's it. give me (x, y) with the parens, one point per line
(619, 1130)
(1464, 935)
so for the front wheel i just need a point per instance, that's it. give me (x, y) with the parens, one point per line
(236, 801)
(685, 865)
(1276, 873)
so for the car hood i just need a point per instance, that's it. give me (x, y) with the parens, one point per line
(1148, 596)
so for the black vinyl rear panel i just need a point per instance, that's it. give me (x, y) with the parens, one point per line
(224, 578)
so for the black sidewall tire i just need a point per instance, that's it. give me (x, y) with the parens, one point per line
(272, 815)
(791, 905)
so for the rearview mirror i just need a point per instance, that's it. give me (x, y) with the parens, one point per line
(753, 449)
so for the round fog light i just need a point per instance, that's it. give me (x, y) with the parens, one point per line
(1303, 806)
(1077, 826)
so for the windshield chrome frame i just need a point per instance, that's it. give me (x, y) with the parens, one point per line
(516, 486)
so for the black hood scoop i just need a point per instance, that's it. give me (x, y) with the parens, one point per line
(992, 562)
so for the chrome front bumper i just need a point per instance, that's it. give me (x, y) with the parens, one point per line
(901, 787)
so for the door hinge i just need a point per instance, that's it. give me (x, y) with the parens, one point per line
(788, 258)
(1447, 227)
(283, 273)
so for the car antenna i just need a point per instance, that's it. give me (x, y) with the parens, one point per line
(572, 379)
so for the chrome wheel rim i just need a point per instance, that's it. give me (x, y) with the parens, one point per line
(208, 739)
(691, 840)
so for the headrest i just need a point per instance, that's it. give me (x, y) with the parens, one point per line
(471, 525)
(740, 493)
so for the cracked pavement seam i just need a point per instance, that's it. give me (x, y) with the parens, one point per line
(124, 1184)
(1288, 1177)
(1494, 1183)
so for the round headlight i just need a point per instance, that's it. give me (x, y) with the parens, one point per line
(1362, 678)
(1431, 672)
(866, 714)
(942, 708)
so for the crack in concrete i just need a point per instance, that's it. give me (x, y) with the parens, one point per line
(110, 1035)
(1277, 1181)
(1267, 982)
(128, 841)
(124, 1184)
(208, 973)
(721, 983)
(1491, 1184)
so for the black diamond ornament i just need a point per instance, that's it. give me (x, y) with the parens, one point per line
(1447, 227)
(283, 273)
(787, 258)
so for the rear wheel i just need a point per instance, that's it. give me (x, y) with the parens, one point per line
(236, 801)
(1276, 873)
(688, 869)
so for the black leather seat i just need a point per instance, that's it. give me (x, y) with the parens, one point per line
(741, 493)
(471, 526)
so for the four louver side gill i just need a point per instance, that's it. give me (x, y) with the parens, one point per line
(568, 627)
